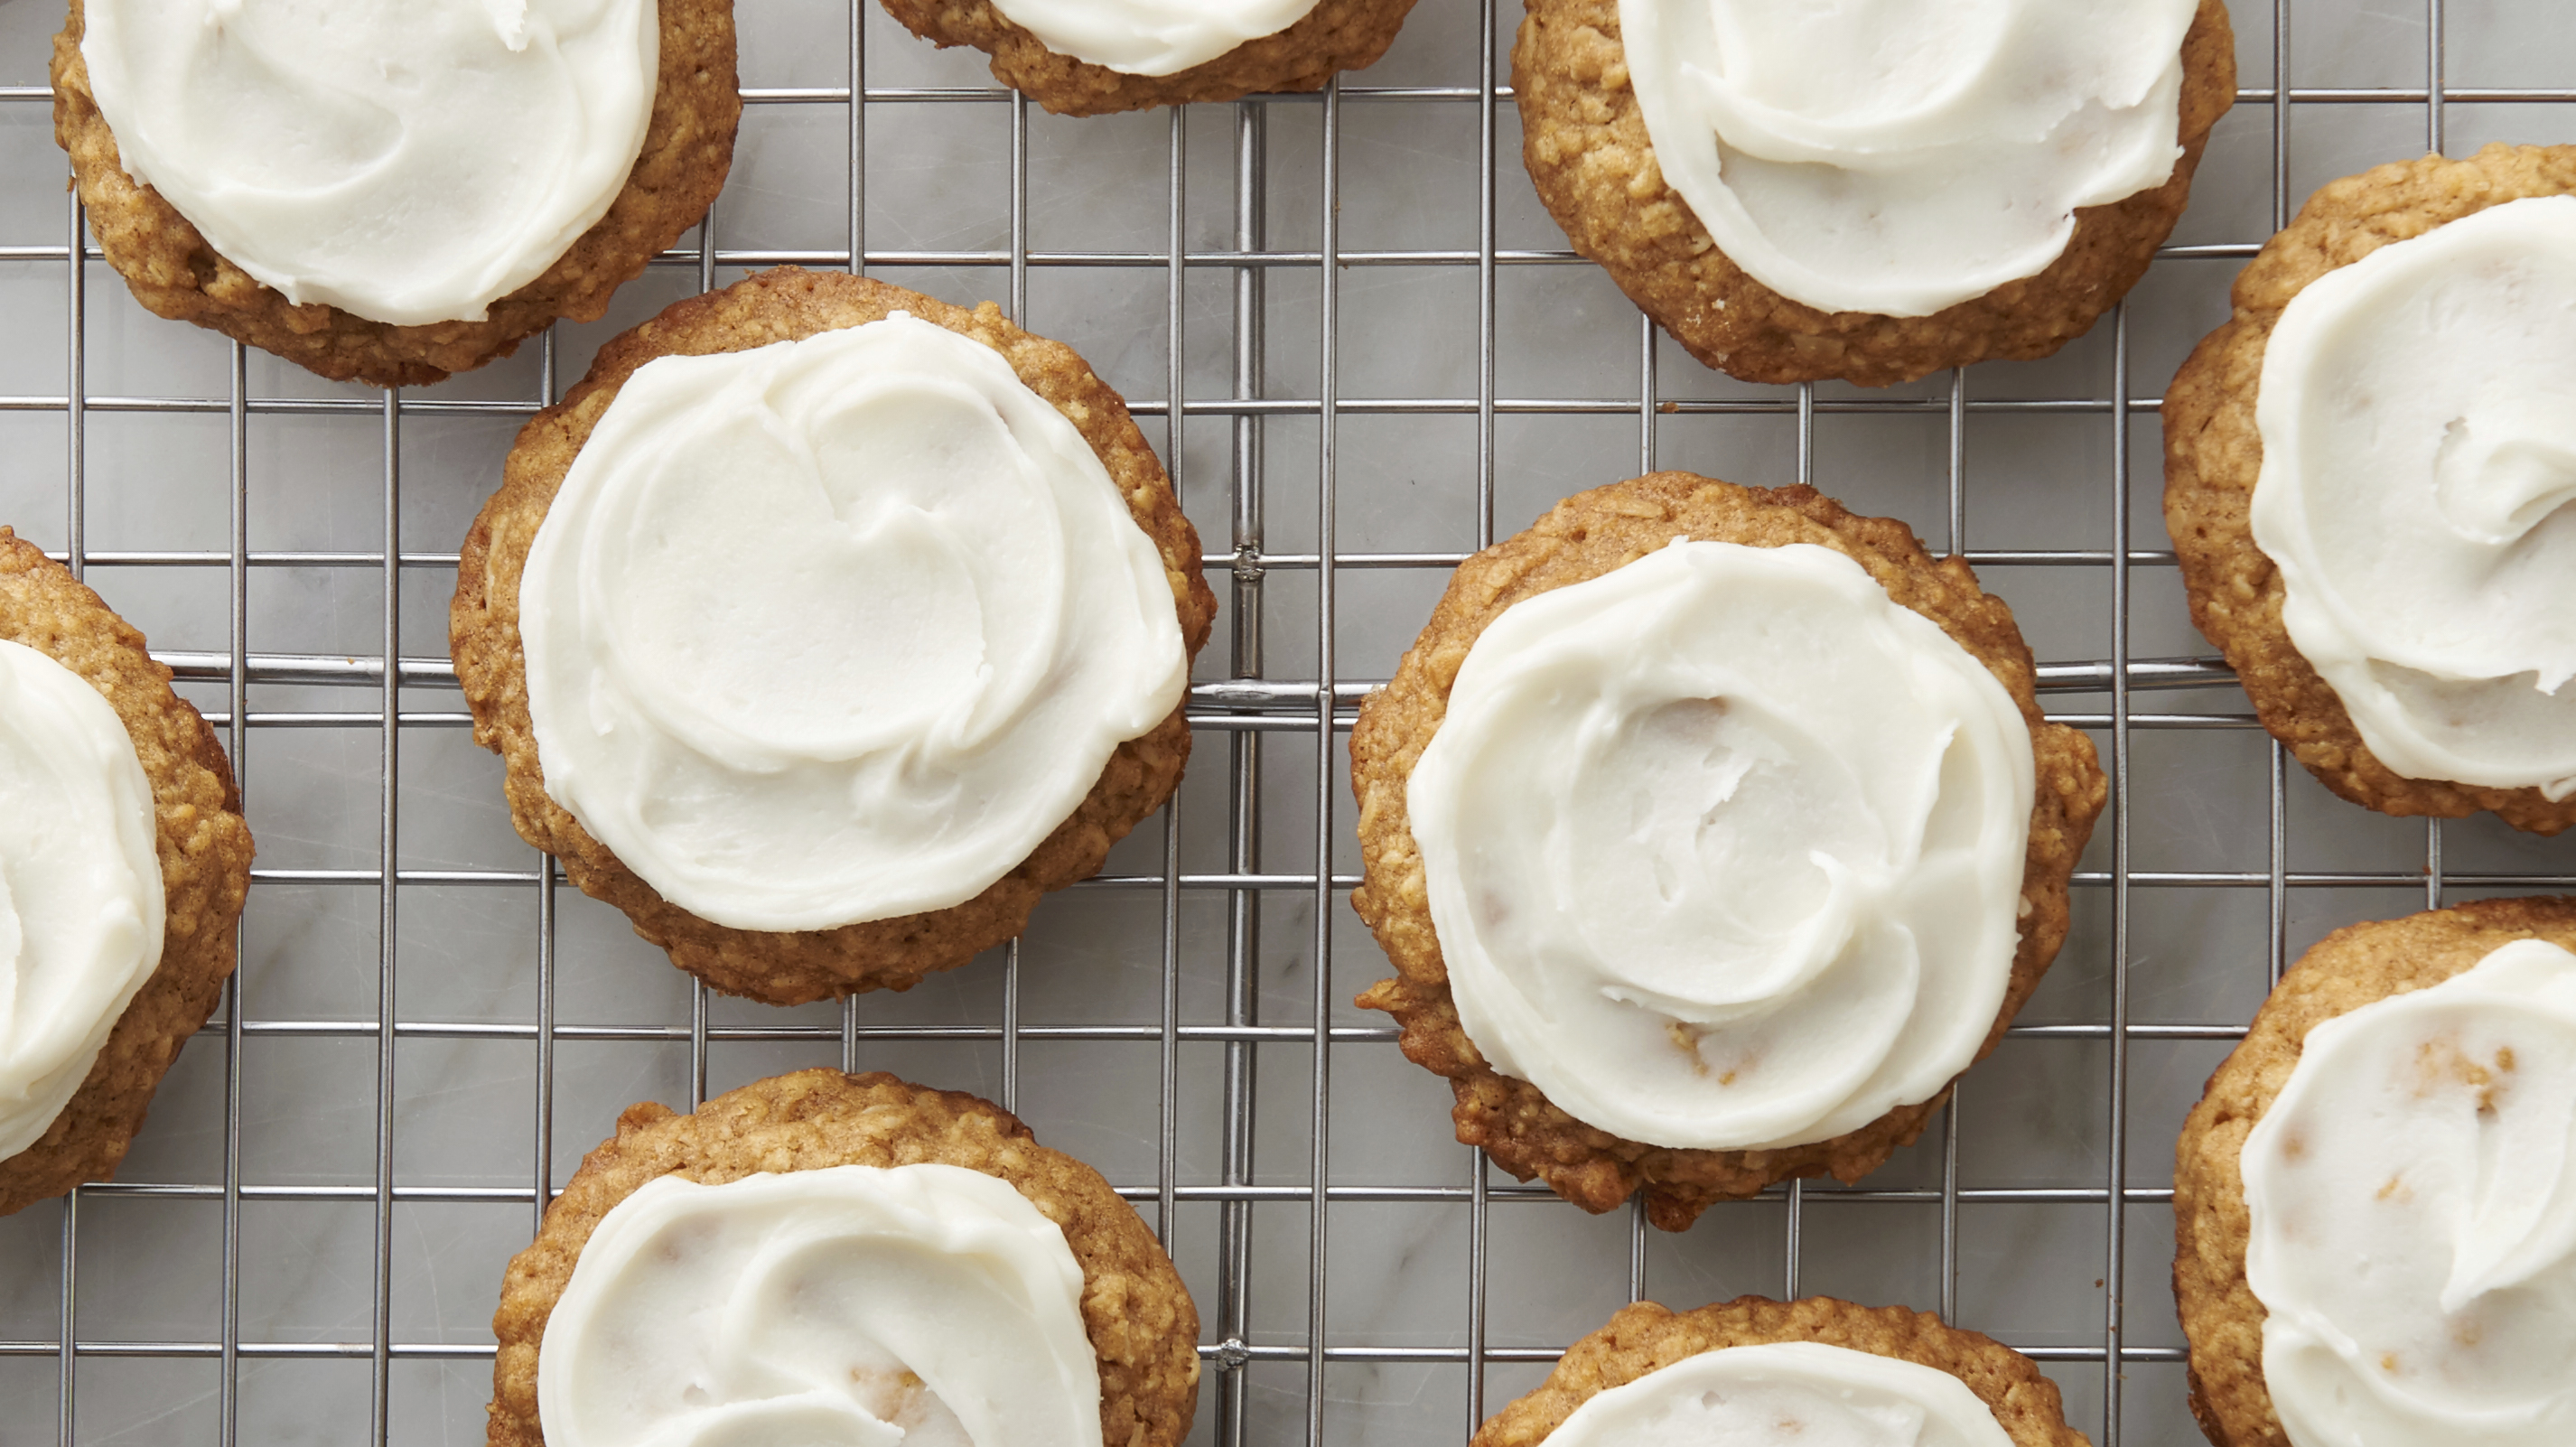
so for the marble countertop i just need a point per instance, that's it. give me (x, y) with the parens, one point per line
(494, 974)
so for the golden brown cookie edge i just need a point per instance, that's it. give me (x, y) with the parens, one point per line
(788, 968)
(1583, 537)
(1647, 1337)
(1139, 1316)
(1335, 36)
(204, 849)
(174, 273)
(1585, 145)
(2350, 968)
(2213, 455)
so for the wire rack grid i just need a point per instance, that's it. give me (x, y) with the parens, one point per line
(1364, 353)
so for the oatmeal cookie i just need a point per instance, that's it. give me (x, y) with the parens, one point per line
(1584, 537)
(1143, 1327)
(175, 274)
(1584, 140)
(204, 849)
(1647, 1337)
(1336, 35)
(786, 968)
(2213, 454)
(2343, 972)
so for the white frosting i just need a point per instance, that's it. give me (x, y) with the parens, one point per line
(80, 886)
(1150, 37)
(839, 629)
(408, 163)
(2418, 417)
(1785, 1394)
(2413, 1201)
(1725, 848)
(1898, 156)
(852, 1306)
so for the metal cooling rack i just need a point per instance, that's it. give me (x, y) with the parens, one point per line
(429, 1026)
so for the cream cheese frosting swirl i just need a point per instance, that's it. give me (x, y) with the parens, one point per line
(1897, 156)
(407, 163)
(1150, 37)
(1785, 1394)
(838, 629)
(1724, 848)
(80, 886)
(851, 1306)
(2418, 416)
(2412, 1193)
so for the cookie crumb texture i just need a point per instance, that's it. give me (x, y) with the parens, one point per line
(1646, 1337)
(2214, 454)
(2343, 972)
(1584, 537)
(1584, 140)
(1336, 35)
(204, 849)
(1143, 1328)
(174, 273)
(791, 968)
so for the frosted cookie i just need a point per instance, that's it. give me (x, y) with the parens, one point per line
(2366, 472)
(825, 626)
(405, 193)
(1869, 191)
(2375, 1201)
(821, 1257)
(1757, 1373)
(1092, 57)
(1712, 833)
(123, 865)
